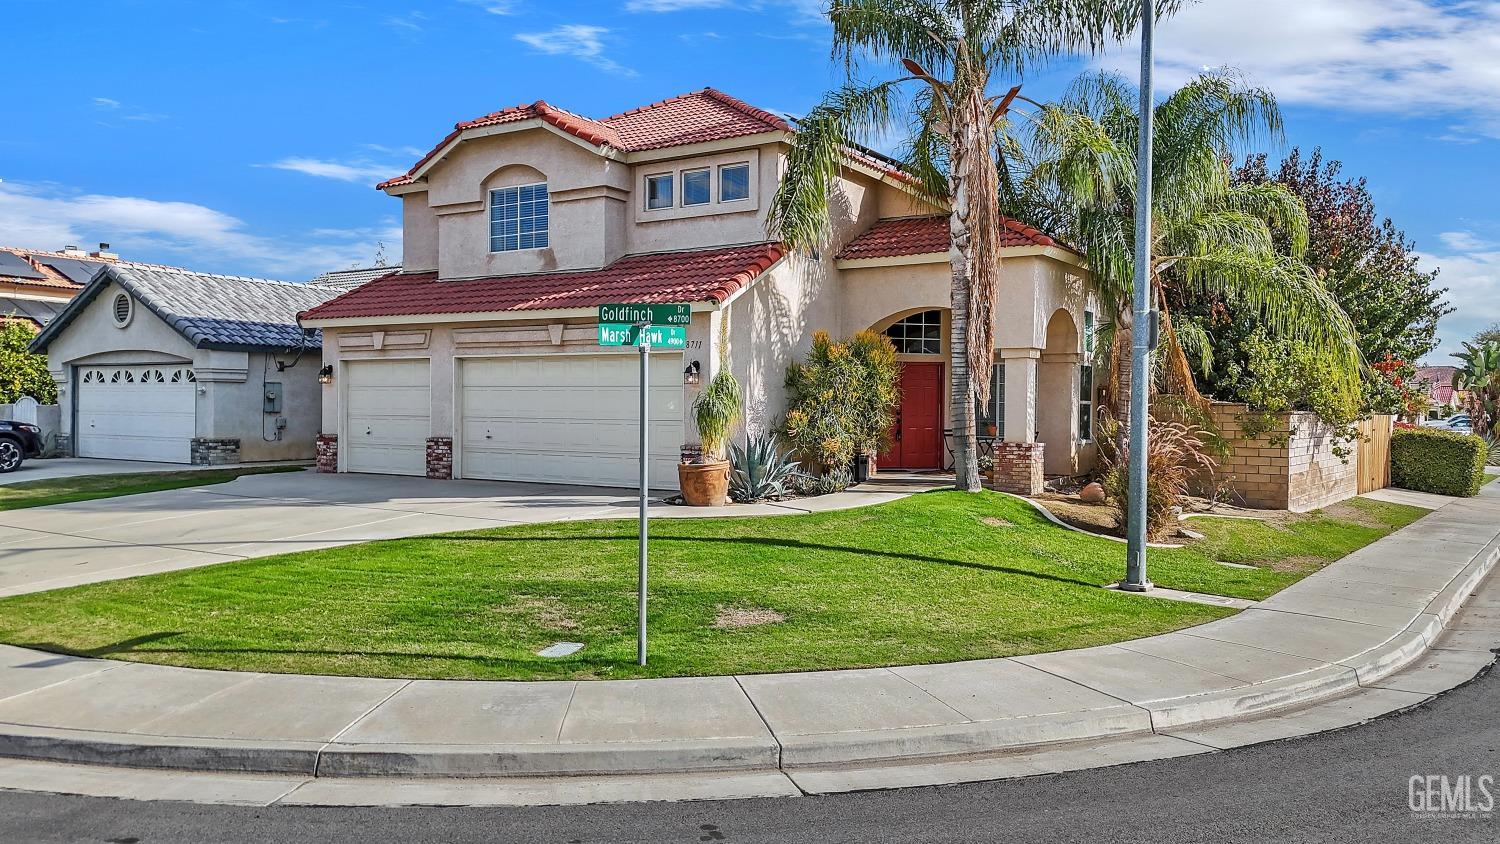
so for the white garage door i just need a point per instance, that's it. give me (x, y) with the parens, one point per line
(143, 412)
(569, 419)
(387, 406)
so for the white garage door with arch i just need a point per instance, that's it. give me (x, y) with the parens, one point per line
(568, 419)
(138, 412)
(388, 406)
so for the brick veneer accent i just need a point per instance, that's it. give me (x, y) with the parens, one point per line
(328, 453)
(214, 451)
(1018, 468)
(440, 458)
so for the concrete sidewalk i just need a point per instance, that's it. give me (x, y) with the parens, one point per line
(257, 515)
(1343, 629)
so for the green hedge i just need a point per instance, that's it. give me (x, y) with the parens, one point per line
(1431, 460)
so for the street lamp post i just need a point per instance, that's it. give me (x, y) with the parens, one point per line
(1142, 324)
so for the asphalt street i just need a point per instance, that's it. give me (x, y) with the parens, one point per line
(1345, 786)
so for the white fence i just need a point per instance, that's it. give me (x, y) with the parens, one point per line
(48, 417)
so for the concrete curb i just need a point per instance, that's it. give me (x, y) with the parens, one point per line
(1260, 662)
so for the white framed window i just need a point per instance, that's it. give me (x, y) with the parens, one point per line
(1088, 332)
(518, 218)
(1086, 402)
(918, 334)
(696, 186)
(734, 182)
(658, 191)
(993, 413)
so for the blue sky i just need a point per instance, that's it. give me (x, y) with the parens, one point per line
(245, 137)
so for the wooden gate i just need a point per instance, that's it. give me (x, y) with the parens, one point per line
(1375, 453)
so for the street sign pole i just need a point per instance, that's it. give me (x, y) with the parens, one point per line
(645, 347)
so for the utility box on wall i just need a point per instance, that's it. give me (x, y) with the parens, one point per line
(273, 397)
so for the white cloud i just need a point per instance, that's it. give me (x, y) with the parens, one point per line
(1473, 282)
(581, 41)
(495, 7)
(1398, 57)
(358, 170)
(673, 5)
(1463, 241)
(48, 217)
(106, 102)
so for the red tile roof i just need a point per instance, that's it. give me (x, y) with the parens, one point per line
(706, 115)
(925, 235)
(711, 275)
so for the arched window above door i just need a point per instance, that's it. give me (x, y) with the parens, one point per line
(918, 334)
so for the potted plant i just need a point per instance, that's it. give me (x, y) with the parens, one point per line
(705, 482)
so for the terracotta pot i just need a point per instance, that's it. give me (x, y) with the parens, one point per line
(704, 484)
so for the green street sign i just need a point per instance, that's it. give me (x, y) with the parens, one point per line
(676, 314)
(661, 336)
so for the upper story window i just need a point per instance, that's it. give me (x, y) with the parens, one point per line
(659, 191)
(695, 187)
(918, 334)
(518, 218)
(734, 182)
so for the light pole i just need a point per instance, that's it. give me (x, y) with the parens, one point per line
(1142, 324)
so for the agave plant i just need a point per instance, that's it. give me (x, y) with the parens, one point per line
(761, 469)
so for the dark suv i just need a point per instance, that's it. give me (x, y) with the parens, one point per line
(18, 441)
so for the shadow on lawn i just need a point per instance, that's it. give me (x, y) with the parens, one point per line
(796, 544)
(133, 646)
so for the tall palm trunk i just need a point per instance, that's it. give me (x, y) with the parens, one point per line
(975, 258)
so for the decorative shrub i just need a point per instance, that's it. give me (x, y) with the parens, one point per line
(1175, 453)
(842, 399)
(1437, 461)
(716, 410)
(834, 480)
(760, 470)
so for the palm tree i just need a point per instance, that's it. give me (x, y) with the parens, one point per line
(1233, 243)
(952, 52)
(1479, 378)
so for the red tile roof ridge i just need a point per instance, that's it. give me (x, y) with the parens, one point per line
(721, 272)
(733, 102)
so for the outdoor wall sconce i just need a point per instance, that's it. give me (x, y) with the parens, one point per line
(325, 375)
(693, 374)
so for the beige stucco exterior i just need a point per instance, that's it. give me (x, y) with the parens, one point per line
(228, 402)
(598, 214)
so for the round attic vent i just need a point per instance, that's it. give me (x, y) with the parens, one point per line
(122, 309)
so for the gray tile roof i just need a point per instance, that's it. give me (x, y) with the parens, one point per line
(209, 310)
(346, 280)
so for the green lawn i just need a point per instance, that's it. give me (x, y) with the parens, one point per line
(86, 487)
(934, 577)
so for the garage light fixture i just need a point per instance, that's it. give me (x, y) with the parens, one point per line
(693, 374)
(325, 375)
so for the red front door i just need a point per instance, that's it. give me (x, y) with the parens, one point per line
(917, 435)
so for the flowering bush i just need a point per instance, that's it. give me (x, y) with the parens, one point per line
(842, 399)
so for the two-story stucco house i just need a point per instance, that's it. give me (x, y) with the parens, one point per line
(480, 358)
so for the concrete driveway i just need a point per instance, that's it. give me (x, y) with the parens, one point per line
(258, 515)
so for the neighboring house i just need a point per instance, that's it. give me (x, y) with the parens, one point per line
(166, 364)
(1445, 397)
(35, 285)
(480, 358)
(346, 280)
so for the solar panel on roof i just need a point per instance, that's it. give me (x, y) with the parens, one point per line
(77, 271)
(15, 266)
